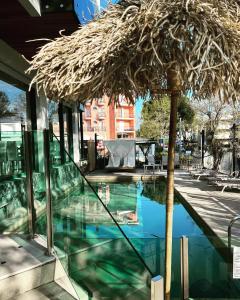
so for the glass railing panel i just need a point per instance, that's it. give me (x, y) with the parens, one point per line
(55, 154)
(13, 197)
(152, 250)
(210, 270)
(100, 260)
(39, 183)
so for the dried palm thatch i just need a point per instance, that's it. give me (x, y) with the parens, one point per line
(129, 48)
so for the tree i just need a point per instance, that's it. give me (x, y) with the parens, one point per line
(52, 110)
(186, 111)
(5, 110)
(209, 113)
(156, 115)
(20, 106)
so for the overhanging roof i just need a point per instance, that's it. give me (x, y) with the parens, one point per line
(17, 26)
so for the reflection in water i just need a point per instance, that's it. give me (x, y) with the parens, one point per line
(139, 208)
(157, 191)
(114, 202)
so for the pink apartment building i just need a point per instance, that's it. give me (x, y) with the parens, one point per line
(109, 121)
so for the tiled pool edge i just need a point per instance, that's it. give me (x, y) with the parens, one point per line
(133, 177)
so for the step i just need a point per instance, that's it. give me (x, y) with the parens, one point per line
(24, 266)
(108, 269)
(48, 291)
(104, 284)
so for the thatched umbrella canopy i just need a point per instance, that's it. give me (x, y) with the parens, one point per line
(139, 47)
(129, 48)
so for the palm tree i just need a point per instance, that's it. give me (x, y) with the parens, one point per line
(142, 47)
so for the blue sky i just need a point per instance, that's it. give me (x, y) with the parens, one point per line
(11, 91)
(85, 9)
(138, 109)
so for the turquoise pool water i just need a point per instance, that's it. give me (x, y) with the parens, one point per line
(209, 270)
(101, 261)
(142, 207)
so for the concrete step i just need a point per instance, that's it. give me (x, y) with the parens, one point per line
(25, 269)
(24, 266)
(50, 291)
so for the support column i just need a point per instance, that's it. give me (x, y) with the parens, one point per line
(42, 123)
(184, 268)
(48, 193)
(29, 182)
(81, 134)
(70, 131)
(157, 288)
(202, 146)
(174, 85)
(95, 145)
(61, 130)
(234, 148)
(76, 146)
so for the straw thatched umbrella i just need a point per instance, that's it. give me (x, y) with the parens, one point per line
(139, 47)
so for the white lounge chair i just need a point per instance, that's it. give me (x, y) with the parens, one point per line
(222, 176)
(203, 173)
(228, 183)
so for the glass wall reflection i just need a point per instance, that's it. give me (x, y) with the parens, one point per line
(12, 122)
(13, 203)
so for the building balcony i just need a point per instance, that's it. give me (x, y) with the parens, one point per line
(87, 114)
(88, 128)
(129, 129)
(100, 128)
(88, 103)
(100, 102)
(124, 104)
(125, 116)
(101, 115)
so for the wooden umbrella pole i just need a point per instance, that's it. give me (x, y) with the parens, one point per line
(173, 83)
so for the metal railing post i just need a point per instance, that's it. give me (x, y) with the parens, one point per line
(184, 268)
(157, 288)
(48, 192)
(29, 181)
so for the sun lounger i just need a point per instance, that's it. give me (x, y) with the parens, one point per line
(212, 175)
(228, 183)
(203, 173)
(223, 176)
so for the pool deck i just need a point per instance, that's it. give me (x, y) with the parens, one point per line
(213, 209)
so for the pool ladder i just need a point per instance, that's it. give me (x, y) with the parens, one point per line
(235, 219)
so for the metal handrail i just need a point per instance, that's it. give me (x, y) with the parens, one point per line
(236, 218)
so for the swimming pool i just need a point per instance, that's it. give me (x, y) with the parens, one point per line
(101, 261)
(209, 273)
